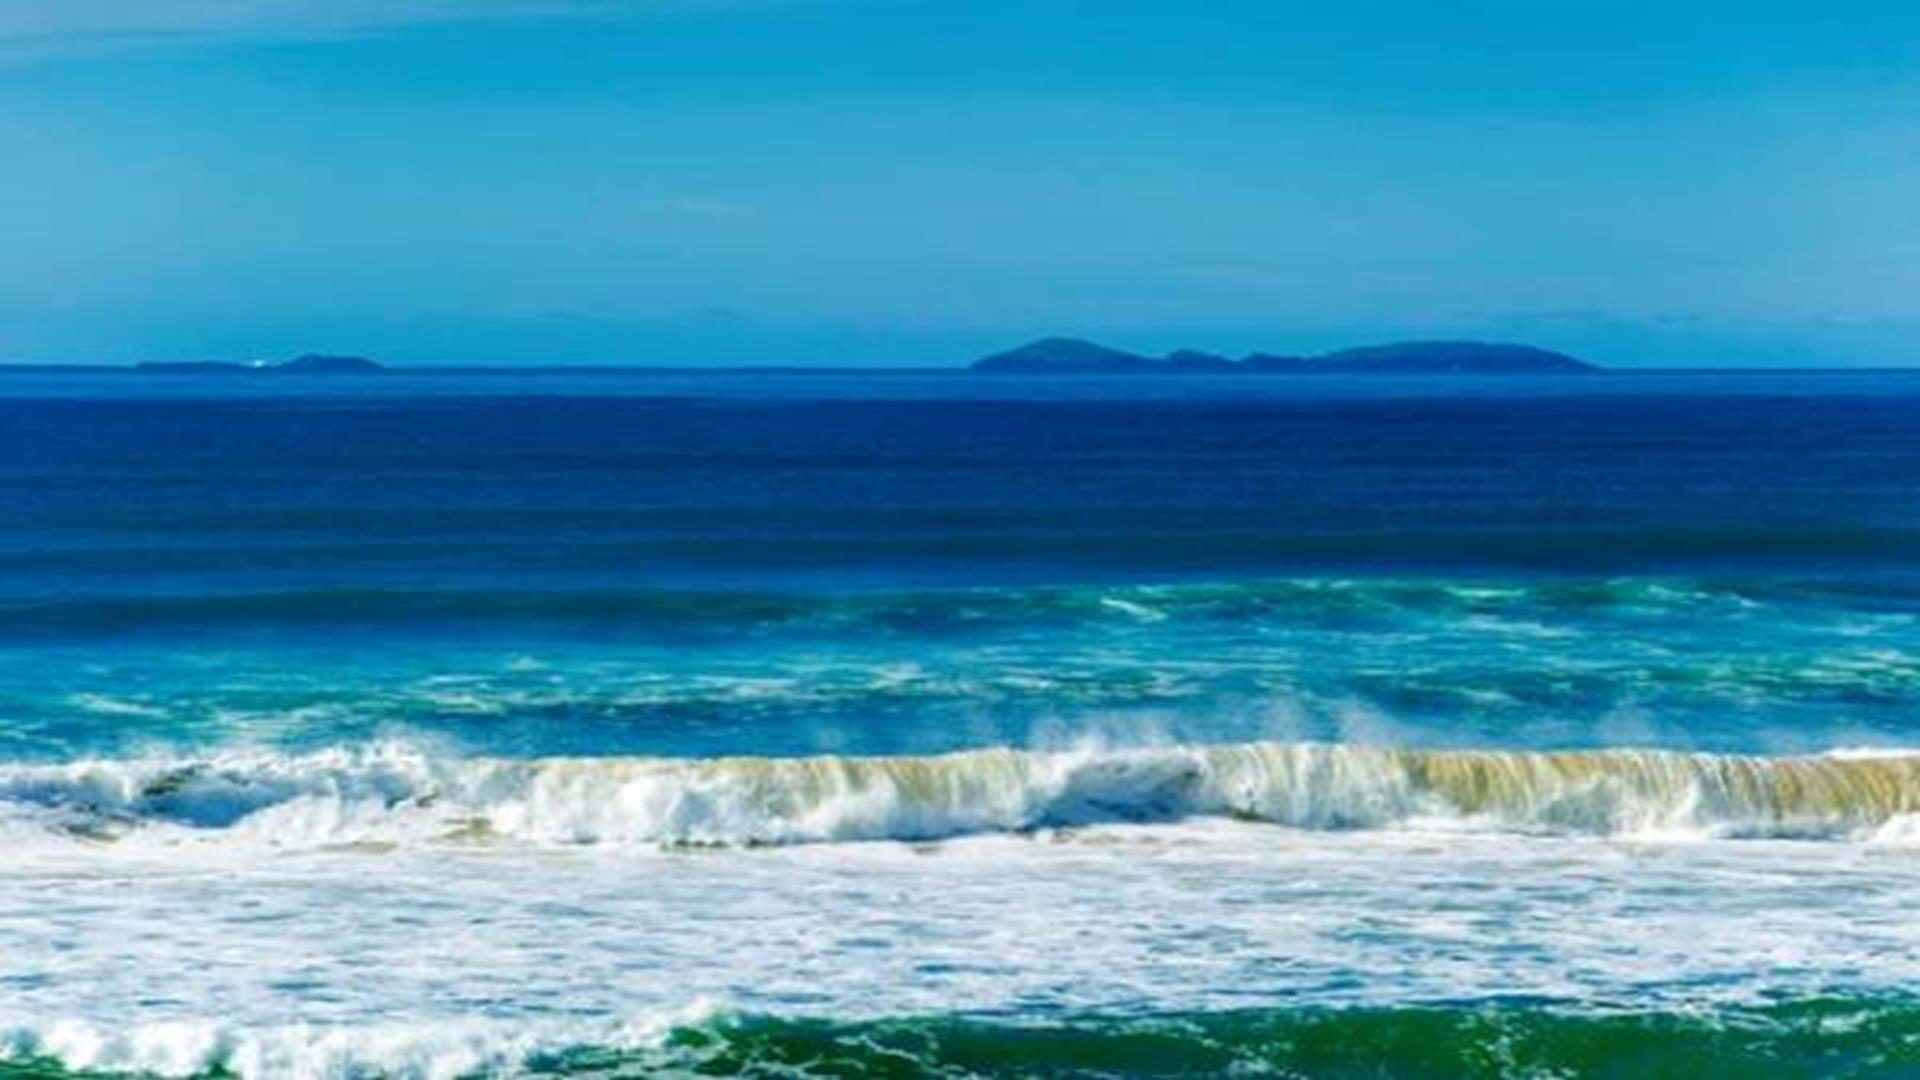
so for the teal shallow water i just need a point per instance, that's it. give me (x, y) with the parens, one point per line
(1724, 665)
(1815, 1039)
(1828, 1039)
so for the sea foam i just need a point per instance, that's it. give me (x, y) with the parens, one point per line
(437, 1050)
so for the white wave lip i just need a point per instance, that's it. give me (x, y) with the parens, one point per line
(398, 794)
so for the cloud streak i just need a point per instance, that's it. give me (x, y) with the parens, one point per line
(37, 27)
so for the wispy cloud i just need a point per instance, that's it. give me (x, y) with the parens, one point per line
(38, 27)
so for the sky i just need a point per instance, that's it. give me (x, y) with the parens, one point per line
(893, 182)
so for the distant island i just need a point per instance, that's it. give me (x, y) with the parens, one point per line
(310, 364)
(1071, 356)
(1068, 356)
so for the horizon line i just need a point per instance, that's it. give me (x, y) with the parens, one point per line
(240, 369)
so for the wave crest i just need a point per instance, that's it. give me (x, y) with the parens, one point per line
(395, 793)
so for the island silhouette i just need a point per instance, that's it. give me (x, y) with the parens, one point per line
(1073, 356)
(1076, 356)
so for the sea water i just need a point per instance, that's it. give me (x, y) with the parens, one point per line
(886, 724)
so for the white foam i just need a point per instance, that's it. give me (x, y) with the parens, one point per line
(442, 1049)
(1871, 753)
(426, 962)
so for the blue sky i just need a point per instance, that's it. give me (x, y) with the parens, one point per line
(896, 182)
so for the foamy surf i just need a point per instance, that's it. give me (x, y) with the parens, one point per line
(400, 794)
(427, 1050)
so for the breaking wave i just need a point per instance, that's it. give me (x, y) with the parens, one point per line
(396, 793)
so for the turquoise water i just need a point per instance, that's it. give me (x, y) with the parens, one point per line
(900, 725)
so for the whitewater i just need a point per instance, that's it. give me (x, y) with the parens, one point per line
(393, 909)
(394, 793)
(443, 958)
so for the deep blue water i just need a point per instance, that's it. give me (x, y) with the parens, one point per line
(733, 563)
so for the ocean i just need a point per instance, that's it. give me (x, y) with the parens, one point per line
(927, 724)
